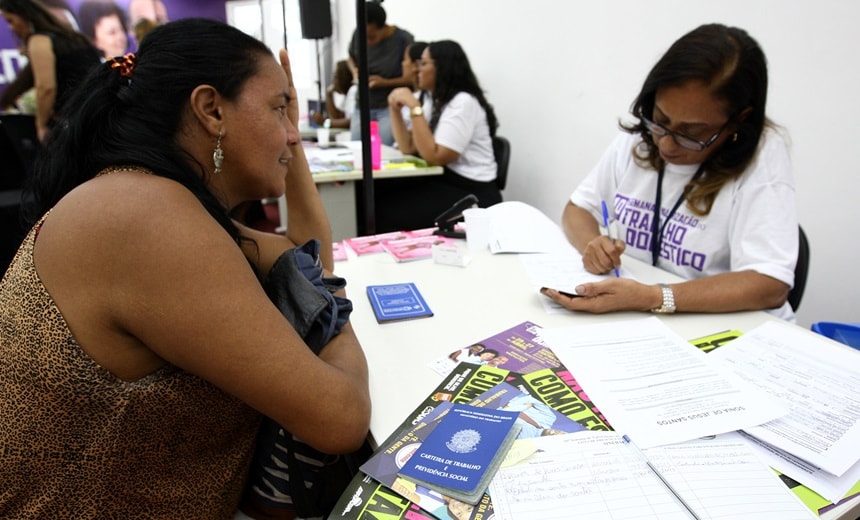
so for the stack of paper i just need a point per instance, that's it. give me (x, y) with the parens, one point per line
(793, 392)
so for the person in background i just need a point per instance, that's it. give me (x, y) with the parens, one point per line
(154, 10)
(103, 22)
(59, 57)
(19, 96)
(63, 12)
(458, 135)
(340, 96)
(701, 186)
(138, 338)
(411, 66)
(385, 47)
(142, 28)
(412, 62)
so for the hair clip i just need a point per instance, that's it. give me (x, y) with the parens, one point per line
(125, 64)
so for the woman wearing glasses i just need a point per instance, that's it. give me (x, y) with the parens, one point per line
(701, 186)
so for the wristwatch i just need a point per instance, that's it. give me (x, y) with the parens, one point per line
(416, 111)
(668, 306)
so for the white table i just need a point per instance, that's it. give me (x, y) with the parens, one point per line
(471, 303)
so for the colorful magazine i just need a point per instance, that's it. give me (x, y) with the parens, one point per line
(366, 498)
(535, 419)
(518, 349)
(558, 389)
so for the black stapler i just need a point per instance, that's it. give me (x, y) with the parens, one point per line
(446, 221)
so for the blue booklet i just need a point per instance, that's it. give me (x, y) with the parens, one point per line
(461, 455)
(397, 301)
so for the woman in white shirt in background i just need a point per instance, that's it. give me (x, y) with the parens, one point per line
(458, 135)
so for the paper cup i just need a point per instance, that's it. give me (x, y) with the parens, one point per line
(322, 136)
(478, 228)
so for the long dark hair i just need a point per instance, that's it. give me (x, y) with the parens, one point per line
(733, 66)
(134, 121)
(454, 75)
(44, 21)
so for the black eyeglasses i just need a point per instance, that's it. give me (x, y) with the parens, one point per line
(681, 140)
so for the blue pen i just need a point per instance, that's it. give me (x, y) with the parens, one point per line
(609, 230)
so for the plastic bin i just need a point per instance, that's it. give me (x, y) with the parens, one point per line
(847, 333)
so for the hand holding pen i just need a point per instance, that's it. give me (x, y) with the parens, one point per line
(612, 232)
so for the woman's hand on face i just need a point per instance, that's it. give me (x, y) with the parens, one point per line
(293, 101)
(614, 294)
(400, 97)
(602, 255)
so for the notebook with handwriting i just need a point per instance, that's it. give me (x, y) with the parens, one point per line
(594, 474)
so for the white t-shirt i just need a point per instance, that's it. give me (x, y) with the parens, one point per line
(346, 102)
(463, 128)
(751, 226)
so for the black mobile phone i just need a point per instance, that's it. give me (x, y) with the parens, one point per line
(565, 293)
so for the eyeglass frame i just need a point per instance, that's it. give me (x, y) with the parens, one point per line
(695, 144)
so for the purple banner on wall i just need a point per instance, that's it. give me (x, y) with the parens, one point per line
(112, 32)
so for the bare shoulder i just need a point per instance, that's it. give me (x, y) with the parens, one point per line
(39, 43)
(123, 251)
(126, 205)
(128, 227)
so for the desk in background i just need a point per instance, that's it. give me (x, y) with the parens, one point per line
(337, 188)
(310, 134)
(471, 303)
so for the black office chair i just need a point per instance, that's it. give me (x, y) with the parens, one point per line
(801, 271)
(502, 153)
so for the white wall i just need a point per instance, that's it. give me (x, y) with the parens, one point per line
(560, 73)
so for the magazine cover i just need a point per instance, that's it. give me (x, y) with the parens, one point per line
(517, 349)
(558, 389)
(367, 499)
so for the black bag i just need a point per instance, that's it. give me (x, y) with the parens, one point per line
(297, 287)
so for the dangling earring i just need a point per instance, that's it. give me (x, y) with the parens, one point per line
(735, 137)
(218, 155)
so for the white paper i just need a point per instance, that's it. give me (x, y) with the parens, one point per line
(561, 270)
(829, 486)
(520, 228)
(595, 475)
(817, 379)
(655, 385)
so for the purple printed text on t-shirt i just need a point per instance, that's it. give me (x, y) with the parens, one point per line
(637, 216)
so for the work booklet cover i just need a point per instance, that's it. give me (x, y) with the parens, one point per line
(463, 451)
(397, 301)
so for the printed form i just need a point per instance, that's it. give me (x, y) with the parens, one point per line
(819, 381)
(655, 385)
(595, 475)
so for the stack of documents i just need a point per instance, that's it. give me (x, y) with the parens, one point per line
(791, 395)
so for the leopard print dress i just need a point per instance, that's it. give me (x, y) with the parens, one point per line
(76, 442)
